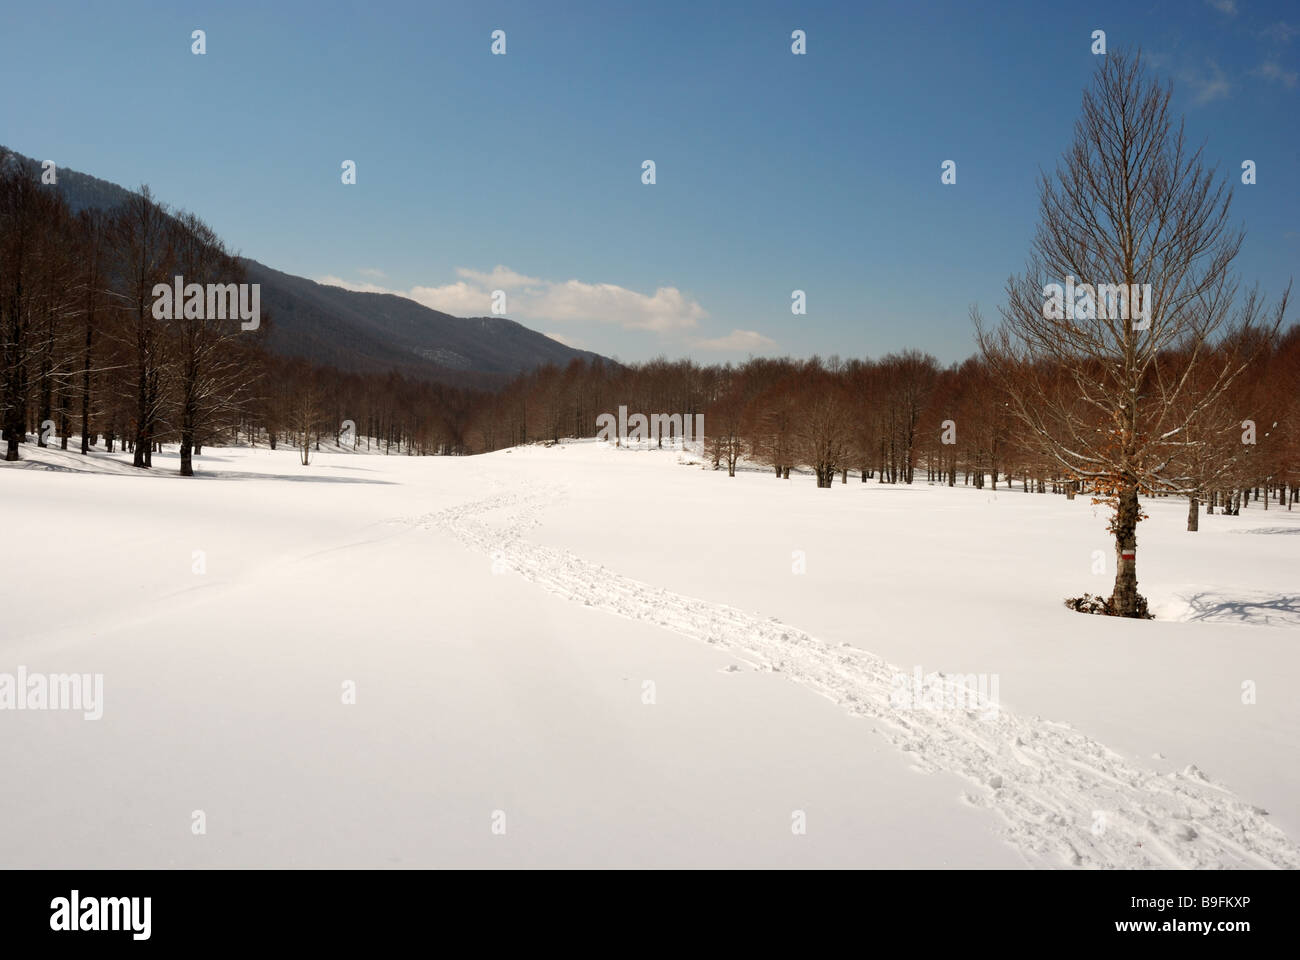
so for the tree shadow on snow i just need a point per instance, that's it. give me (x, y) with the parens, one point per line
(303, 478)
(1274, 610)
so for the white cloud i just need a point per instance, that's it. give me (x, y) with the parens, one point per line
(1209, 86)
(1271, 70)
(372, 272)
(1224, 6)
(567, 341)
(459, 299)
(500, 278)
(667, 310)
(738, 340)
(1280, 32)
(332, 281)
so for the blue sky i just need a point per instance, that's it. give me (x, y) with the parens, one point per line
(523, 172)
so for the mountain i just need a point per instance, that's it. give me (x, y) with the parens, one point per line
(364, 332)
(369, 332)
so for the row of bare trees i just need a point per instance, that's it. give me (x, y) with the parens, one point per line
(85, 355)
(83, 349)
(901, 418)
(302, 405)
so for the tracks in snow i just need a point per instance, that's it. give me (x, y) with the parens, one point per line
(1066, 799)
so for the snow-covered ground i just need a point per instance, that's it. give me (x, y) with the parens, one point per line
(587, 656)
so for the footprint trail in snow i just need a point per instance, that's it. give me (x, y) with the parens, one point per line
(1066, 799)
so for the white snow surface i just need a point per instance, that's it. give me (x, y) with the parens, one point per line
(582, 655)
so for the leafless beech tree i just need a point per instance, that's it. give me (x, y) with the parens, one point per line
(212, 372)
(92, 292)
(1106, 395)
(824, 426)
(24, 210)
(306, 415)
(144, 257)
(723, 429)
(772, 419)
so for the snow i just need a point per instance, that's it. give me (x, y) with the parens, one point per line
(609, 651)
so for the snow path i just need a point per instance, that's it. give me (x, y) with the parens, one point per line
(1066, 799)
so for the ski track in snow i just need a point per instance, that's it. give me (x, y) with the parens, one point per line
(1066, 799)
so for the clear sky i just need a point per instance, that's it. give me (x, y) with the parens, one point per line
(523, 172)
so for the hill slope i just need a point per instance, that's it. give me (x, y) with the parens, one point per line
(380, 331)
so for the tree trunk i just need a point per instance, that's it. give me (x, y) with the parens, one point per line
(187, 439)
(1193, 516)
(1125, 597)
(85, 380)
(44, 395)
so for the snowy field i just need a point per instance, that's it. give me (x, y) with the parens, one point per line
(588, 656)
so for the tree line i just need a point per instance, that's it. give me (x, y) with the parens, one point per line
(902, 418)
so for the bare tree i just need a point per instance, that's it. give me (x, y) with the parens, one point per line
(772, 418)
(25, 212)
(144, 258)
(1130, 205)
(825, 427)
(306, 414)
(724, 429)
(211, 372)
(909, 377)
(92, 226)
